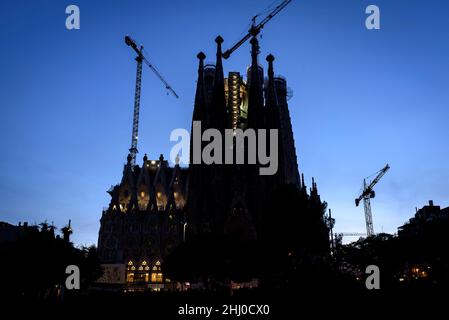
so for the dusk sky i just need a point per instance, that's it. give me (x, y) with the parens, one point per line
(361, 99)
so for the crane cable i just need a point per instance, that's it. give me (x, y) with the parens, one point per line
(157, 72)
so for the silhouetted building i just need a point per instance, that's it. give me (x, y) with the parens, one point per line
(144, 221)
(155, 207)
(429, 214)
(10, 232)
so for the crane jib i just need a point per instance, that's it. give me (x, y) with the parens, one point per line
(130, 42)
(255, 29)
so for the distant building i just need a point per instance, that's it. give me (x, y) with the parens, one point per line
(426, 215)
(155, 207)
(10, 232)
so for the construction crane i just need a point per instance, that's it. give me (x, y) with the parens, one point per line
(352, 234)
(367, 194)
(255, 29)
(341, 235)
(141, 58)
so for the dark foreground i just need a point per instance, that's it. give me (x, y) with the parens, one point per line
(301, 304)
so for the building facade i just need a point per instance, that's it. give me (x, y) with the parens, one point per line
(155, 207)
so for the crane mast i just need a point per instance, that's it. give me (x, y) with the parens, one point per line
(139, 59)
(366, 195)
(133, 150)
(368, 213)
(255, 29)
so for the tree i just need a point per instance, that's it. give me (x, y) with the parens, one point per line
(34, 264)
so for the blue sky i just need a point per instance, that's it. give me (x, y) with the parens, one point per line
(361, 99)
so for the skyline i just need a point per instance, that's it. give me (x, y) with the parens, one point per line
(64, 161)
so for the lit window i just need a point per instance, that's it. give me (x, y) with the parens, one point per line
(156, 277)
(144, 263)
(130, 263)
(142, 194)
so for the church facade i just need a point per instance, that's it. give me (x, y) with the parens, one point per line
(157, 207)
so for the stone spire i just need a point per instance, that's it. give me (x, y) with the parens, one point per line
(218, 97)
(199, 109)
(255, 99)
(273, 120)
(271, 97)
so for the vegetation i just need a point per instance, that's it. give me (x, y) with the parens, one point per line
(419, 258)
(33, 266)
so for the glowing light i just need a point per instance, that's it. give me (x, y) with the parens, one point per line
(156, 277)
